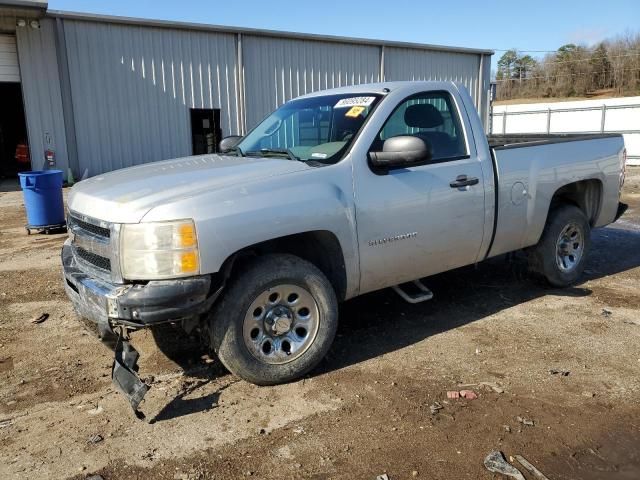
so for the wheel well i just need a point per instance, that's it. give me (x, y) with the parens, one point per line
(585, 194)
(319, 247)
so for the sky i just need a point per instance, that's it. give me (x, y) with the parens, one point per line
(497, 25)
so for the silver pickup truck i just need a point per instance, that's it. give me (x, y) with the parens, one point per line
(333, 195)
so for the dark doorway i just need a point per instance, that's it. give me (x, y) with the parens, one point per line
(205, 130)
(14, 147)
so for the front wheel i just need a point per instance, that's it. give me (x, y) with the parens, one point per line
(276, 320)
(561, 253)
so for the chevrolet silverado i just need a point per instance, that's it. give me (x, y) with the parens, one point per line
(335, 194)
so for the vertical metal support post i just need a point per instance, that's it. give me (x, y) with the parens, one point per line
(483, 110)
(504, 122)
(490, 118)
(67, 104)
(604, 116)
(240, 94)
(480, 86)
(382, 63)
(548, 121)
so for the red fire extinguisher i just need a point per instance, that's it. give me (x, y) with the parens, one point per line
(50, 158)
(22, 153)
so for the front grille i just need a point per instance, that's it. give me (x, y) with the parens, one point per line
(95, 260)
(93, 242)
(91, 228)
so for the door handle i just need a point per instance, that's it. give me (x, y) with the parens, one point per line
(463, 181)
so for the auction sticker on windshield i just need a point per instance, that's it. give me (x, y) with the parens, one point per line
(354, 112)
(355, 102)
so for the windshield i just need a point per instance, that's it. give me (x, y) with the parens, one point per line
(310, 129)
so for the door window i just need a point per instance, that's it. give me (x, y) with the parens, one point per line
(432, 116)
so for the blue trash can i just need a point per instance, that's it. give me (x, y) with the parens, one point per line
(42, 190)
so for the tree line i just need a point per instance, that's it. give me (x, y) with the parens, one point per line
(572, 71)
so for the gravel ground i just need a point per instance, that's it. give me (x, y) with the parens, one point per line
(367, 409)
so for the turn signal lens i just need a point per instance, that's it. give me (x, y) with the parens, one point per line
(158, 250)
(189, 262)
(186, 235)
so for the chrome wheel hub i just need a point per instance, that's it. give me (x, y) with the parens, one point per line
(278, 320)
(569, 248)
(281, 324)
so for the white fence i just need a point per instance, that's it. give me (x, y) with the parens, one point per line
(611, 115)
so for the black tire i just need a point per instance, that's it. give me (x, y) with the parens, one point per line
(228, 316)
(543, 258)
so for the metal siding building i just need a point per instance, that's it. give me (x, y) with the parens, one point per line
(9, 69)
(471, 70)
(41, 92)
(132, 88)
(110, 92)
(279, 69)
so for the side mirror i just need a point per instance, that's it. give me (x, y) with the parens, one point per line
(401, 152)
(228, 143)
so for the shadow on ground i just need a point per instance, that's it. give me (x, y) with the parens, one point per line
(381, 322)
(180, 406)
(9, 185)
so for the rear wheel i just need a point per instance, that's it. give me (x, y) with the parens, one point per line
(561, 253)
(276, 320)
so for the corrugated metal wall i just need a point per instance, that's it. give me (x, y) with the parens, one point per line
(41, 92)
(127, 88)
(277, 70)
(132, 88)
(485, 87)
(9, 71)
(414, 64)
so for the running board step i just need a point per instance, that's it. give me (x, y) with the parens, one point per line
(422, 295)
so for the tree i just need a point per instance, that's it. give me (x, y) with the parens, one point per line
(513, 69)
(601, 66)
(506, 64)
(567, 52)
(524, 66)
(572, 70)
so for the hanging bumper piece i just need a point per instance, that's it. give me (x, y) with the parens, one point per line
(124, 373)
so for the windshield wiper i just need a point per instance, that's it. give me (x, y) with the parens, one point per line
(238, 151)
(277, 151)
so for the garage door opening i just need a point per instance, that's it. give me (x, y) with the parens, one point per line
(14, 147)
(205, 130)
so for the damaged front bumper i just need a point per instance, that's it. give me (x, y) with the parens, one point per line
(124, 373)
(130, 305)
(118, 308)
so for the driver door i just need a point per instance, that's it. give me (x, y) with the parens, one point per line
(412, 222)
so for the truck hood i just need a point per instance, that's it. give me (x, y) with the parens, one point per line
(127, 195)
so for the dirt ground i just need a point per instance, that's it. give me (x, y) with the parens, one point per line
(367, 410)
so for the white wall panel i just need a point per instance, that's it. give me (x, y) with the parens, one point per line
(578, 116)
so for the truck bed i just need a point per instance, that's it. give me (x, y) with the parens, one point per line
(530, 169)
(516, 140)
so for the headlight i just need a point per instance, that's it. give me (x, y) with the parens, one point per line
(157, 250)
